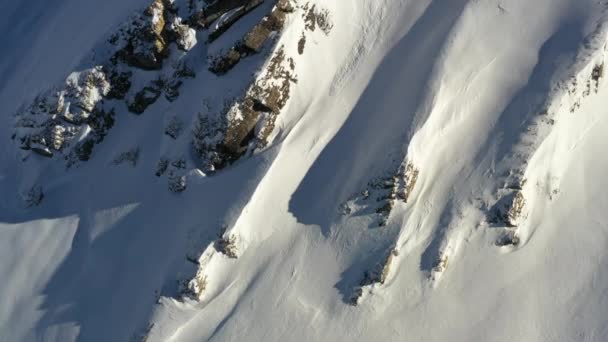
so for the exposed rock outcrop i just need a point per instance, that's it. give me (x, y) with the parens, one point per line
(174, 128)
(248, 122)
(382, 193)
(441, 263)
(510, 208)
(227, 246)
(251, 43)
(55, 119)
(316, 18)
(377, 276)
(176, 174)
(266, 97)
(68, 122)
(234, 9)
(227, 19)
(167, 85)
(144, 41)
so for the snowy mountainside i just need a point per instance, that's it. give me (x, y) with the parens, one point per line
(191, 170)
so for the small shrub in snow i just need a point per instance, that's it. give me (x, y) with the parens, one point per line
(208, 134)
(286, 6)
(171, 89)
(179, 164)
(120, 83)
(183, 70)
(174, 127)
(129, 157)
(146, 97)
(84, 149)
(177, 183)
(161, 167)
(34, 196)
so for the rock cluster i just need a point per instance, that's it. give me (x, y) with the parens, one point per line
(69, 120)
(382, 193)
(144, 41)
(378, 275)
(252, 42)
(55, 119)
(510, 208)
(248, 122)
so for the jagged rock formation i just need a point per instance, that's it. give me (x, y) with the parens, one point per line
(374, 277)
(70, 120)
(515, 209)
(383, 193)
(195, 287)
(167, 85)
(510, 208)
(146, 97)
(176, 176)
(248, 122)
(144, 43)
(227, 246)
(230, 14)
(315, 17)
(441, 263)
(252, 42)
(52, 123)
(218, 8)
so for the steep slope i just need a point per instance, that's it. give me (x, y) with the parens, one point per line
(304, 170)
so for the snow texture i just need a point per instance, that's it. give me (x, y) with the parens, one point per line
(435, 171)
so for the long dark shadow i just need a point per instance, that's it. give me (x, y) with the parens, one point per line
(380, 124)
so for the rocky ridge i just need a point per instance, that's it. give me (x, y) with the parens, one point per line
(148, 58)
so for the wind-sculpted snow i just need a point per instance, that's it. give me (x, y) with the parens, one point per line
(303, 170)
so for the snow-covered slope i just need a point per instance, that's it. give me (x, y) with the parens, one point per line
(303, 170)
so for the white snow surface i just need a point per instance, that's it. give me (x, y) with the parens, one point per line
(468, 91)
